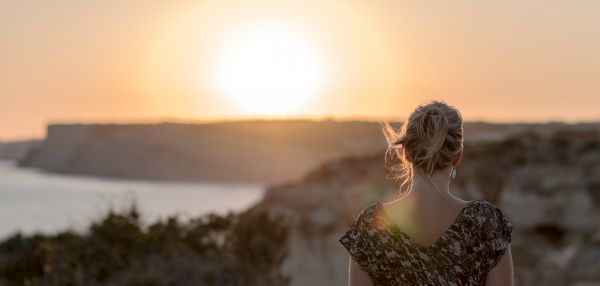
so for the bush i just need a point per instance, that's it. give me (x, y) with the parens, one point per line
(231, 249)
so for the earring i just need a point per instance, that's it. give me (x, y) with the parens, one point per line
(453, 173)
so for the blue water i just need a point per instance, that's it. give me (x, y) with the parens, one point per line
(35, 201)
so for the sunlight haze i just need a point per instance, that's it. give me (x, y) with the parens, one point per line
(125, 61)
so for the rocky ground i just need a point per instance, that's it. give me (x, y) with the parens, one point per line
(546, 182)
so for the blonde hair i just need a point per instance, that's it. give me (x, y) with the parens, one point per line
(429, 140)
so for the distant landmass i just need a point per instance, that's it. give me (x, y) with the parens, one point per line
(16, 150)
(263, 152)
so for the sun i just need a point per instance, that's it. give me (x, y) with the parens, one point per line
(269, 70)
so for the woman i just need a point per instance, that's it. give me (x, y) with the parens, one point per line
(427, 236)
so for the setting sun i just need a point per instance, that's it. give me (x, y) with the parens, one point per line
(269, 70)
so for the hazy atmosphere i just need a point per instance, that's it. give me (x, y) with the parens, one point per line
(501, 61)
(233, 143)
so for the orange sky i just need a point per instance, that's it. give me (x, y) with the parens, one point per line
(145, 60)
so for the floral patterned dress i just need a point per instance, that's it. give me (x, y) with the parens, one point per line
(463, 255)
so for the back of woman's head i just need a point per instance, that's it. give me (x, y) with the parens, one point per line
(429, 140)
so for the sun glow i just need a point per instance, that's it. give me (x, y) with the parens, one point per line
(269, 70)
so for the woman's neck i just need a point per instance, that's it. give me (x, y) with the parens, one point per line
(423, 187)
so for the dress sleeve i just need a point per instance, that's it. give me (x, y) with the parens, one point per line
(499, 237)
(356, 242)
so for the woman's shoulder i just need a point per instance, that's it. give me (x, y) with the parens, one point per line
(359, 238)
(485, 209)
(366, 216)
(495, 229)
(490, 219)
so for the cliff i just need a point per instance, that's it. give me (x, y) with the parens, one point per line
(264, 152)
(15, 150)
(547, 182)
(253, 152)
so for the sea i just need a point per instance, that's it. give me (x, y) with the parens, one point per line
(34, 201)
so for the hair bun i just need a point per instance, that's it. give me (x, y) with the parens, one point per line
(430, 139)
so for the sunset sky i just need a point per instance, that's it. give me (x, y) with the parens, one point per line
(124, 61)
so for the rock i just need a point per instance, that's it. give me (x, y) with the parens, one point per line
(585, 267)
(270, 152)
(16, 150)
(547, 200)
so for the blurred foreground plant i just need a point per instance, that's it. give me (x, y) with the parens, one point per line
(233, 249)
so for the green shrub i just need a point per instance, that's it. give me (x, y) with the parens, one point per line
(231, 249)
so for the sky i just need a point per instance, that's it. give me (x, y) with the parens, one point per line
(150, 60)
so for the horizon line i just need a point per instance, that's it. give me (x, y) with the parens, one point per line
(241, 119)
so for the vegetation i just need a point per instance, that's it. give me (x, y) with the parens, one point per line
(232, 249)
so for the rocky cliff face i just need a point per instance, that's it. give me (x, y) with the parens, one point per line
(247, 152)
(17, 149)
(546, 181)
(264, 152)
